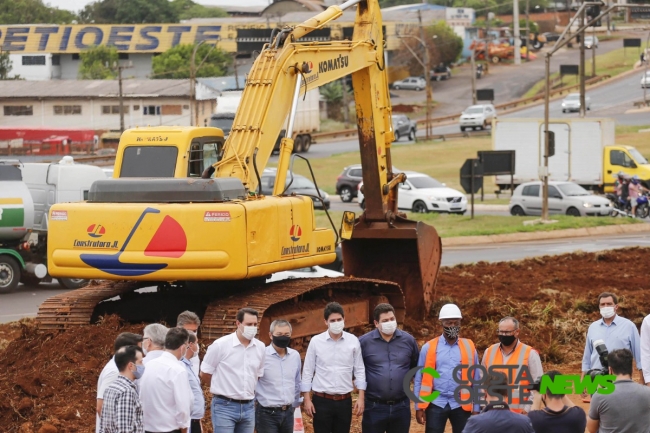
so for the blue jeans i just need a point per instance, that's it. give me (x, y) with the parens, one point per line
(231, 417)
(437, 418)
(386, 418)
(273, 421)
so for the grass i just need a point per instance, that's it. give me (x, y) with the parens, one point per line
(630, 136)
(456, 225)
(613, 63)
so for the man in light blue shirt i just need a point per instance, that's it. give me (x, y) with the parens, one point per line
(278, 391)
(617, 332)
(198, 404)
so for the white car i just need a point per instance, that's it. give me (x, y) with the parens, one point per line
(108, 172)
(422, 193)
(310, 272)
(591, 41)
(564, 198)
(572, 102)
(645, 80)
(477, 116)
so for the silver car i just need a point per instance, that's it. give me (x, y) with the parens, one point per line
(404, 127)
(564, 198)
(591, 41)
(410, 83)
(572, 102)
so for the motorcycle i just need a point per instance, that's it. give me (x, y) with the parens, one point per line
(624, 207)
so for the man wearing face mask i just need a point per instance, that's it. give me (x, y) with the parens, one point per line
(198, 405)
(388, 355)
(153, 343)
(165, 390)
(333, 359)
(191, 322)
(617, 332)
(513, 353)
(122, 411)
(278, 391)
(232, 365)
(444, 354)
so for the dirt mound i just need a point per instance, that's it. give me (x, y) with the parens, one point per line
(48, 380)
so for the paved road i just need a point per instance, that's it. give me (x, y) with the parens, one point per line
(25, 301)
(338, 205)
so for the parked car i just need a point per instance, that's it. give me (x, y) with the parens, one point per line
(552, 36)
(572, 102)
(591, 41)
(347, 184)
(477, 116)
(421, 193)
(564, 198)
(441, 72)
(410, 83)
(309, 272)
(558, 6)
(404, 127)
(300, 185)
(645, 80)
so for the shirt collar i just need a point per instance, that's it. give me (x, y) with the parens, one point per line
(236, 342)
(377, 335)
(273, 351)
(168, 355)
(126, 379)
(442, 337)
(496, 406)
(186, 361)
(329, 337)
(602, 321)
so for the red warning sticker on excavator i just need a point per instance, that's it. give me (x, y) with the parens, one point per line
(59, 215)
(212, 216)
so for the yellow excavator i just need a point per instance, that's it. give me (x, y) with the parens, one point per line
(184, 210)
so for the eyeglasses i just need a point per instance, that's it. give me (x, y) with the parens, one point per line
(500, 332)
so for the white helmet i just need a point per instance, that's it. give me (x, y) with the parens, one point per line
(450, 311)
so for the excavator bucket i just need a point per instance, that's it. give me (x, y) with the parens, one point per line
(403, 251)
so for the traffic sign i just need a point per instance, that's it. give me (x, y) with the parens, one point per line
(472, 168)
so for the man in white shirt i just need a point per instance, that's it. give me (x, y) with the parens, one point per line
(333, 357)
(110, 371)
(165, 389)
(278, 391)
(153, 343)
(190, 321)
(231, 366)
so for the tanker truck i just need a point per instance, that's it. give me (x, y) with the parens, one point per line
(27, 190)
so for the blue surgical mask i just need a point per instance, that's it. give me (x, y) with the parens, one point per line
(139, 371)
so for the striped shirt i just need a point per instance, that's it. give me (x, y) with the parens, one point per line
(122, 411)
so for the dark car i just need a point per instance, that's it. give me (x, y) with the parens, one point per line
(347, 182)
(300, 185)
(551, 36)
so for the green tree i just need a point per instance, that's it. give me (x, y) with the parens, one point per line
(187, 9)
(32, 12)
(129, 12)
(333, 94)
(443, 44)
(175, 62)
(6, 66)
(97, 63)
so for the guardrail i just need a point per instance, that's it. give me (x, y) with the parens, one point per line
(101, 160)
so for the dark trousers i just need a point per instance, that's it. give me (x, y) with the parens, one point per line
(437, 418)
(195, 426)
(386, 418)
(332, 416)
(273, 421)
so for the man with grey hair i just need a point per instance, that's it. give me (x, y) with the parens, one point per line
(153, 342)
(278, 391)
(513, 354)
(190, 322)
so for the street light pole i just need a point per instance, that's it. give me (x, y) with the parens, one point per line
(517, 33)
(583, 107)
(528, 30)
(473, 66)
(193, 84)
(645, 76)
(427, 75)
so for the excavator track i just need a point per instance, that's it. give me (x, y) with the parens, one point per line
(75, 308)
(301, 302)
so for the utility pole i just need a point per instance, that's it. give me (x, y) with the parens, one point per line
(194, 109)
(473, 66)
(427, 75)
(583, 107)
(487, 39)
(645, 73)
(544, 171)
(517, 33)
(593, 51)
(120, 94)
(528, 30)
(346, 103)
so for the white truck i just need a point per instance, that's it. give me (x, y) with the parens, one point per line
(306, 123)
(26, 193)
(585, 152)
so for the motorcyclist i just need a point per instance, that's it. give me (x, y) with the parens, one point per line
(635, 189)
(618, 185)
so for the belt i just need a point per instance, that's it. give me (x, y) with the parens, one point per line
(388, 402)
(173, 431)
(333, 396)
(232, 399)
(277, 408)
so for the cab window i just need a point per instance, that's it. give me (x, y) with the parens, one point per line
(204, 152)
(620, 158)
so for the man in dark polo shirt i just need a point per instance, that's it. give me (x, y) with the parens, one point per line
(388, 354)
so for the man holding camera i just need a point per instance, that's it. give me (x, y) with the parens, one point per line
(556, 413)
(626, 409)
(615, 331)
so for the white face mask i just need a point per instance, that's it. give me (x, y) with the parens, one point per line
(249, 332)
(336, 327)
(144, 347)
(607, 312)
(389, 328)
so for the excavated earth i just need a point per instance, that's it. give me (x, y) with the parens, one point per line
(48, 379)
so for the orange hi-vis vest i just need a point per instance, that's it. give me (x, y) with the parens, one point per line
(467, 356)
(494, 356)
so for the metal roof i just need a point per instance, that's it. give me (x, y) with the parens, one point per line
(134, 88)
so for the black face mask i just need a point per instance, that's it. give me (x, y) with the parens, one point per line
(281, 341)
(507, 340)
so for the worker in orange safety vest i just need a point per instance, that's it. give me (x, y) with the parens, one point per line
(444, 354)
(512, 352)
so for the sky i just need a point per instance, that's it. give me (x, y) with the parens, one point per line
(77, 5)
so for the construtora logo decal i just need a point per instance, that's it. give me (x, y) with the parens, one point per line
(168, 242)
(96, 231)
(295, 233)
